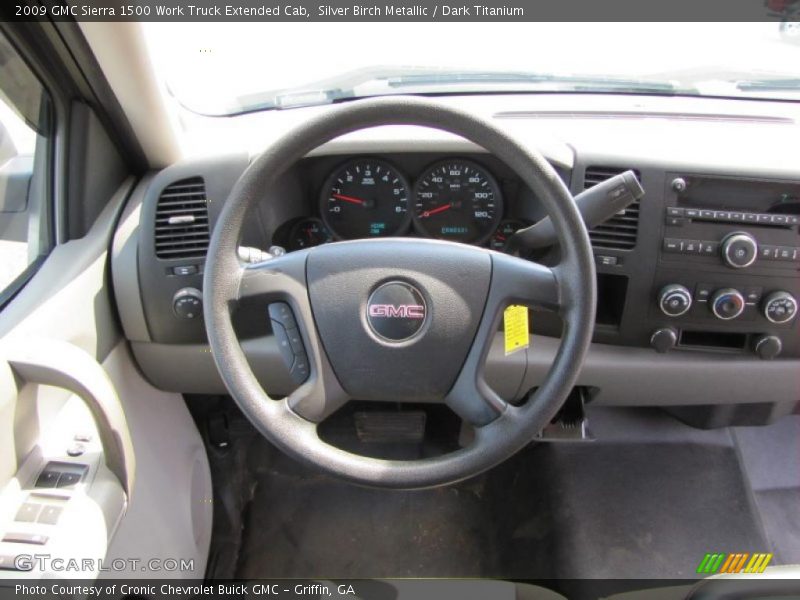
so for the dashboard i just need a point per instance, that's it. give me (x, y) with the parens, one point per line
(698, 282)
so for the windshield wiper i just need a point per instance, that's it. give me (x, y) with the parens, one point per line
(573, 82)
(790, 84)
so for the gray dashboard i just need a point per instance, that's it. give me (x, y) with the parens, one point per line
(710, 362)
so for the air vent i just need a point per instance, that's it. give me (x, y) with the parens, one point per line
(618, 232)
(182, 220)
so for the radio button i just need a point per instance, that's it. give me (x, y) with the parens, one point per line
(709, 248)
(785, 253)
(762, 218)
(692, 213)
(691, 247)
(673, 245)
(750, 218)
(779, 220)
(706, 214)
(722, 215)
(676, 221)
(767, 252)
(674, 211)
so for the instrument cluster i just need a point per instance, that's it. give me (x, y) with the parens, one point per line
(453, 199)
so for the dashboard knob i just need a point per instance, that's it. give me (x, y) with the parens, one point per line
(780, 307)
(727, 304)
(679, 184)
(674, 300)
(739, 250)
(187, 303)
(767, 346)
(664, 339)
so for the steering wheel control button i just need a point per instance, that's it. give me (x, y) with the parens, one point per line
(187, 303)
(290, 342)
(300, 368)
(396, 311)
(739, 250)
(780, 307)
(727, 304)
(674, 300)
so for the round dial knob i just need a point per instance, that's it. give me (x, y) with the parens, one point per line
(780, 307)
(664, 339)
(739, 250)
(727, 304)
(674, 300)
(187, 303)
(767, 346)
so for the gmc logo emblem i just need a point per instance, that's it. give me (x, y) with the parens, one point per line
(399, 311)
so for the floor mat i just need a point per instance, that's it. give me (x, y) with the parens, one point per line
(598, 509)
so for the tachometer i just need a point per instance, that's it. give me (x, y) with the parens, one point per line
(457, 200)
(365, 198)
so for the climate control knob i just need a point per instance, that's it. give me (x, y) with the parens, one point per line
(780, 307)
(674, 300)
(727, 304)
(739, 250)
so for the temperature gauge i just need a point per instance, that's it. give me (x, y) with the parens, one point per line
(504, 231)
(307, 233)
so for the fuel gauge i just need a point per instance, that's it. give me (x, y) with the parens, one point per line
(504, 231)
(307, 233)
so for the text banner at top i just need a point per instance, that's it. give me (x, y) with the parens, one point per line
(403, 10)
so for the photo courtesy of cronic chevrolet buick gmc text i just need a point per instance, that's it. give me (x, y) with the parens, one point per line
(510, 307)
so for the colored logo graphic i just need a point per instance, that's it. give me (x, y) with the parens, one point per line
(742, 562)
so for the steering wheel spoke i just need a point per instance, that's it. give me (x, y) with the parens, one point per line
(280, 283)
(514, 281)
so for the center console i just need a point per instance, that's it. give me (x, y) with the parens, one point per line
(727, 271)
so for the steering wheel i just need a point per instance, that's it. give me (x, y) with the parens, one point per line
(399, 319)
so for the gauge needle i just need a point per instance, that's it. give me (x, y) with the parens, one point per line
(349, 199)
(436, 211)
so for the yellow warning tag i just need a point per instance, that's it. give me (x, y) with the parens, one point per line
(515, 328)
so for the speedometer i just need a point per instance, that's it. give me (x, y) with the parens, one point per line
(457, 200)
(365, 198)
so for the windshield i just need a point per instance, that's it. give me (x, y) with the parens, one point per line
(222, 69)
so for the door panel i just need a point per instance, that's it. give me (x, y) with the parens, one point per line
(68, 386)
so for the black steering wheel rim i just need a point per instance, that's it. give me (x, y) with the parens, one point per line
(496, 438)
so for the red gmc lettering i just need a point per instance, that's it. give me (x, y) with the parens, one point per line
(400, 311)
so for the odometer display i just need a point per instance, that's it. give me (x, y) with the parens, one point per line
(457, 200)
(365, 198)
